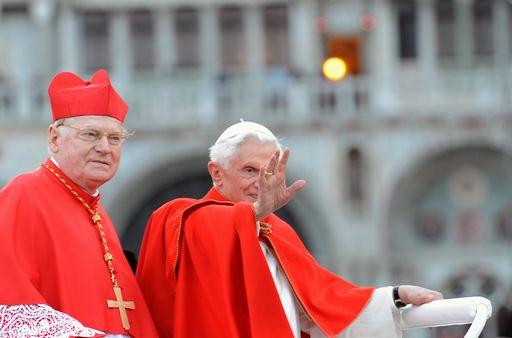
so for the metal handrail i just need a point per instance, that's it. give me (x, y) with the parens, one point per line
(481, 316)
(448, 312)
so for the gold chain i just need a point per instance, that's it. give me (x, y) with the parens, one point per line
(96, 219)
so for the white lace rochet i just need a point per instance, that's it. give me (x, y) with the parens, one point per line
(39, 320)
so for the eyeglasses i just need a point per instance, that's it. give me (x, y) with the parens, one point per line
(94, 135)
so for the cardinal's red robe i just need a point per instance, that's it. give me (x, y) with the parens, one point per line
(51, 253)
(203, 274)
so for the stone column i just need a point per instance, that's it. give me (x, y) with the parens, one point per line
(305, 56)
(165, 41)
(69, 27)
(209, 41)
(427, 40)
(464, 43)
(255, 48)
(305, 43)
(254, 40)
(501, 45)
(209, 57)
(3, 63)
(121, 60)
(42, 13)
(383, 59)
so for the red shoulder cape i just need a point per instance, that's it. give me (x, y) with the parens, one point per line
(203, 274)
(50, 253)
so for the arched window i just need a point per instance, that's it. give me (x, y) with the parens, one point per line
(470, 226)
(407, 27)
(232, 38)
(141, 26)
(96, 40)
(445, 13)
(509, 17)
(482, 29)
(187, 37)
(430, 225)
(355, 177)
(276, 35)
(504, 224)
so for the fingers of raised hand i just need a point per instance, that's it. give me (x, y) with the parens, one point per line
(295, 187)
(264, 176)
(261, 175)
(272, 163)
(283, 161)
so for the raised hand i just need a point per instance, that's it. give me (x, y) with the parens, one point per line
(273, 192)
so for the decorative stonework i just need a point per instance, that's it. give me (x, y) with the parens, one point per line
(468, 186)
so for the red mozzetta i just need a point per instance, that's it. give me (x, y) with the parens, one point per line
(51, 253)
(204, 274)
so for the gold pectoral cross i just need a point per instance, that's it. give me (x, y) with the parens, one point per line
(122, 306)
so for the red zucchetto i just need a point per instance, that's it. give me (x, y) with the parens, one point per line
(71, 96)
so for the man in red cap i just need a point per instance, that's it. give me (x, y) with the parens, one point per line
(226, 266)
(62, 271)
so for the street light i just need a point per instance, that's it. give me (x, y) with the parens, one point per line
(334, 68)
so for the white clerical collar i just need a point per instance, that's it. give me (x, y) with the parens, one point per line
(96, 193)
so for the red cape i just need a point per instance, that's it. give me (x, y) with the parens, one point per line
(203, 274)
(50, 253)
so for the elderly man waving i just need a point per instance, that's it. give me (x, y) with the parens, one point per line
(226, 266)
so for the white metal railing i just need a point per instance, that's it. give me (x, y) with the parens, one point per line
(178, 102)
(448, 312)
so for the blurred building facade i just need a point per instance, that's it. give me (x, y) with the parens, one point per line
(408, 158)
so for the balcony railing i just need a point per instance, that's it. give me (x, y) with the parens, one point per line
(178, 103)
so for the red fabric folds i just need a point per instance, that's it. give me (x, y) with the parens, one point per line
(203, 274)
(50, 253)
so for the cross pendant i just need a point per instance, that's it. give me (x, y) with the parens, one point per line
(122, 306)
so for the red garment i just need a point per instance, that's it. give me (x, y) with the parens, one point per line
(50, 253)
(71, 96)
(203, 274)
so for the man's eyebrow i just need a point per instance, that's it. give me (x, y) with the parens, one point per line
(101, 128)
(250, 164)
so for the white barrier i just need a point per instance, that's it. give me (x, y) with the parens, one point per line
(447, 312)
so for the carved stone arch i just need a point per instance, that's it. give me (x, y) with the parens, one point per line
(453, 267)
(428, 163)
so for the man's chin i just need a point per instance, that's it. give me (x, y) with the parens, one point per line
(101, 176)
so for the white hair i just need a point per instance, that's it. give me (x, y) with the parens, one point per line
(61, 122)
(222, 152)
(59, 131)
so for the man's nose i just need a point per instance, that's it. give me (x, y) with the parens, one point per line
(103, 145)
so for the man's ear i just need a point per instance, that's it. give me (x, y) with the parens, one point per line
(52, 139)
(214, 170)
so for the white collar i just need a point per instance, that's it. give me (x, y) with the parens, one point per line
(96, 193)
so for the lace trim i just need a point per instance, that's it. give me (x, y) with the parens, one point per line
(38, 321)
